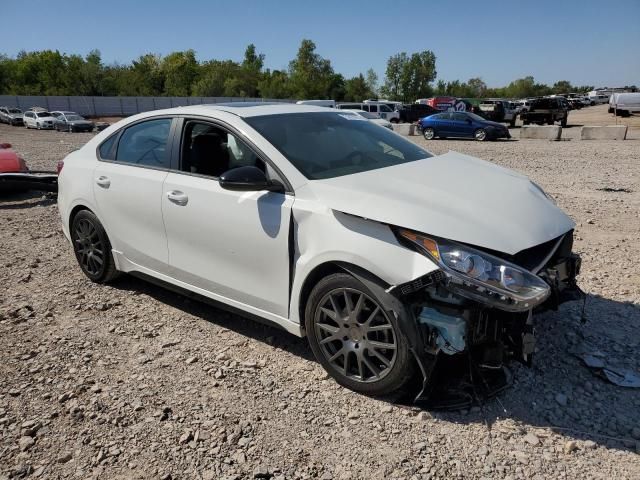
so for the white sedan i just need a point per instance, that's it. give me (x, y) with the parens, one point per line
(386, 257)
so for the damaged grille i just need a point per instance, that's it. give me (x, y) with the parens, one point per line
(422, 282)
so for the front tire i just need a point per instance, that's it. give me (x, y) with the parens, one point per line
(92, 248)
(480, 134)
(429, 133)
(355, 339)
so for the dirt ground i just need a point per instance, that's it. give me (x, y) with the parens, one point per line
(132, 381)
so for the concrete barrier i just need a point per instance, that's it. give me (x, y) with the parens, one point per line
(549, 132)
(611, 132)
(405, 129)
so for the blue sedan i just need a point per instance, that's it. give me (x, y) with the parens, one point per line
(461, 124)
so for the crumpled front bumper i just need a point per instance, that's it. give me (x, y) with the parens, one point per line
(463, 345)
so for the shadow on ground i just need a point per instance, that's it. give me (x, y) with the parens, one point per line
(23, 200)
(594, 409)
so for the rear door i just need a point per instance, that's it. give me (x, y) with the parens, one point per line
(445, 124)
(232, 244)
(128, 191)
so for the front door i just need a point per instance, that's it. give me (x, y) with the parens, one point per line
(128, 191)
(234, 245)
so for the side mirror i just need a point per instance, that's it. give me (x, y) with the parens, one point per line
(5, 145)
(248, 179)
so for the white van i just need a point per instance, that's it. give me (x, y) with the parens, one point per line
(624, 103)
(380, 108)
(318, 103)
(393, 105)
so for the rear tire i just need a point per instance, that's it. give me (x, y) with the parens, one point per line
(92, 248)
(355, 339)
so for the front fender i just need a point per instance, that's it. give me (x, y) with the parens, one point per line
(329, 236)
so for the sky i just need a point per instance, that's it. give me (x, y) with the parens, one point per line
(586, 42)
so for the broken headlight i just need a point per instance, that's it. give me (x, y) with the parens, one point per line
(482, 277)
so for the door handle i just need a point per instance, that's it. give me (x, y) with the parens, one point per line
(103, 181)
(178, 197)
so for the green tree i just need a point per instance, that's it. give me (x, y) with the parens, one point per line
(179, 70)
(562, 86)
(310, 74)
(477, 87)
(372, 82)
(275, 84)
(396, 65)
(213, 78)
(357, 89)
(146, 77)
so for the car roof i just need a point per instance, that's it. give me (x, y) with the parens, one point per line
(249, 109)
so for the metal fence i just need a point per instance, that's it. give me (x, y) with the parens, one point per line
(116, 106)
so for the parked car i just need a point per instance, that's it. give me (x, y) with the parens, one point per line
(598, 99)
(38, 118)
(372, 117)
(575, 103)
(15, 175)
(101, 126)
(333, 229)
(461, 125)
(412, 112)
(499, 110)
(547, 110)
(11, 115)
(392, 104)
(380, 108)
(623, 104)
(72, 122)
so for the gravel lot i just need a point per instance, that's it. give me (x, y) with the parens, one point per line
(132, 381)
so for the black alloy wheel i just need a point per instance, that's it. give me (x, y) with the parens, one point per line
(92, 248)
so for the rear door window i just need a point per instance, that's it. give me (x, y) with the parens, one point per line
(145, 143)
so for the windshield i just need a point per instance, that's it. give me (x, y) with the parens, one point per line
(332, 144)
(475, 117)
(43, 114)
(74, 117)
(15, 110)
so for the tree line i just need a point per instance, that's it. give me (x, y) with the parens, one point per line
(308, 76)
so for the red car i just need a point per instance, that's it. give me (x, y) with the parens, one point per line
(16, 176)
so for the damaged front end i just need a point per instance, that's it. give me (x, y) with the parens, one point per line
(474, 314)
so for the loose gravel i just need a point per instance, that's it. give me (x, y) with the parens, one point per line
(132, 381)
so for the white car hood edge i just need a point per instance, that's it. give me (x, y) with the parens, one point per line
(452, 196)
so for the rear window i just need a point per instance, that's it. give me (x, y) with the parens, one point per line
(327, 144)
(145, 144)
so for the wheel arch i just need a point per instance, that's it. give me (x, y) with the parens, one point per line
(324, 270)
(75, 210)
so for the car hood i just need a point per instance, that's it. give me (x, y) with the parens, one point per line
(452, 196)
